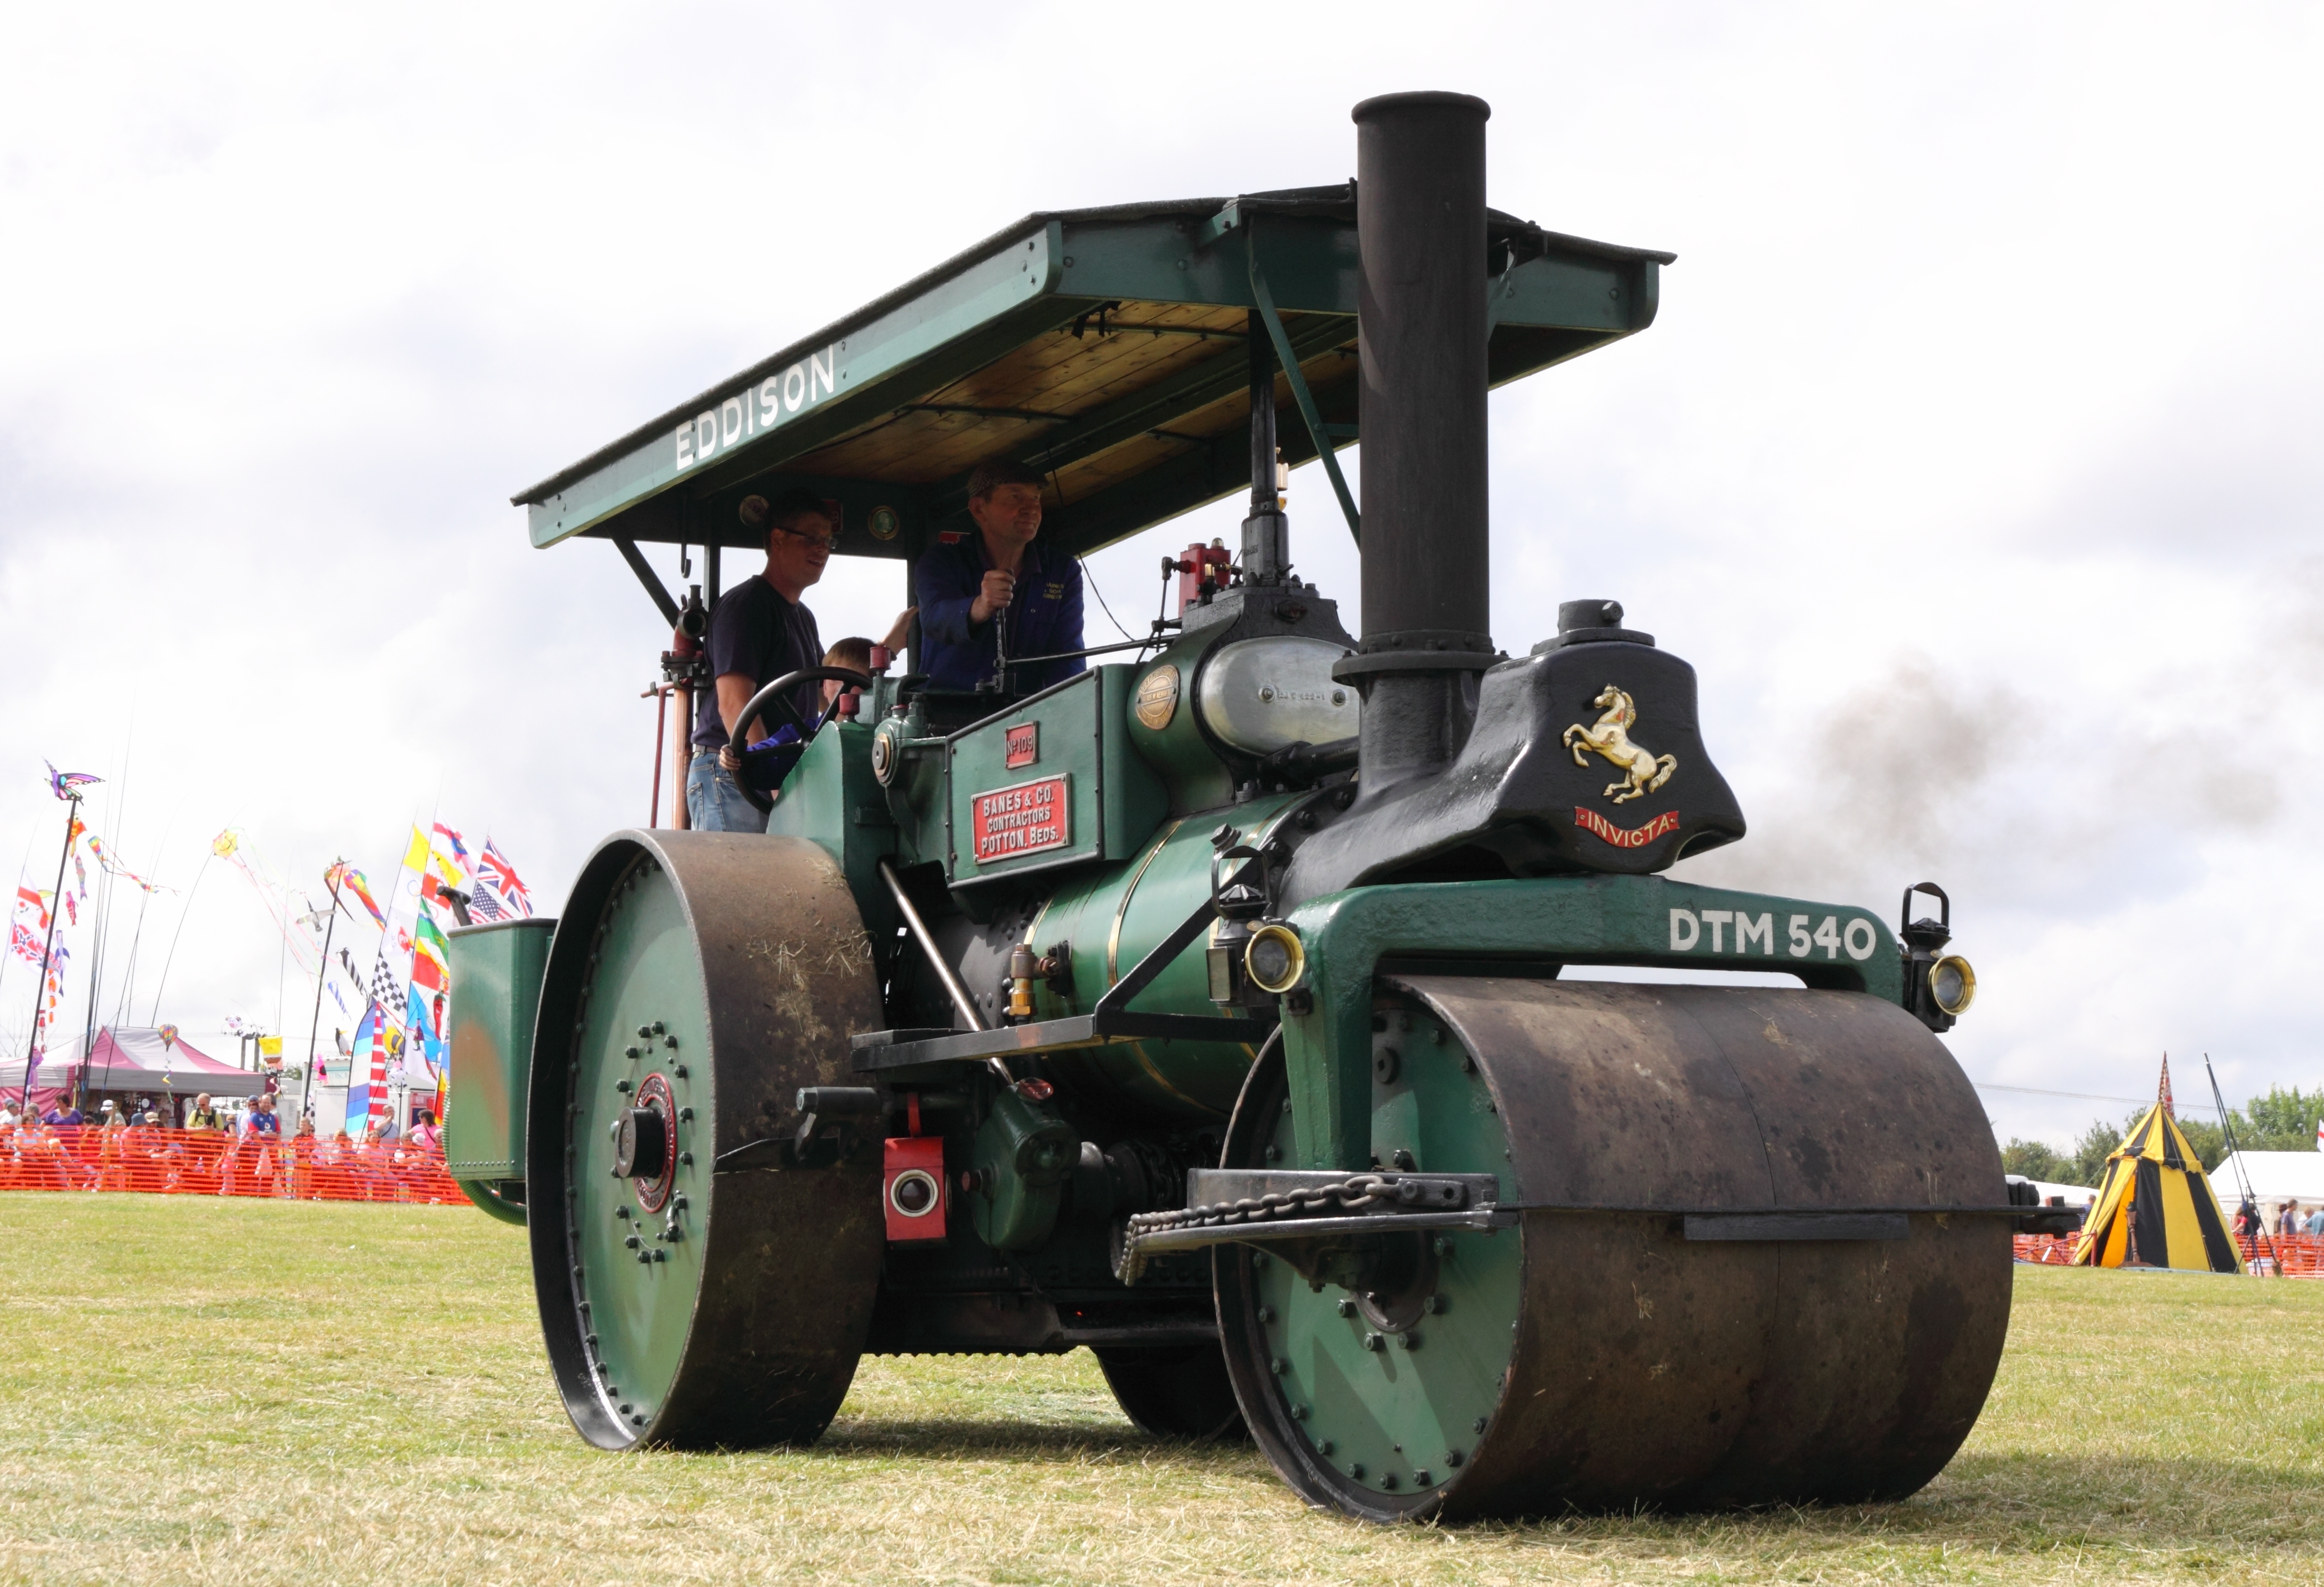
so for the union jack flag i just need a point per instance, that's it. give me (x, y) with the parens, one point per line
(496, 875)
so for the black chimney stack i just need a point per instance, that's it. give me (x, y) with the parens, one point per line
(1420, 320)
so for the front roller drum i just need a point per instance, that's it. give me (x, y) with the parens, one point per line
(1601, 1360)
(696, 981)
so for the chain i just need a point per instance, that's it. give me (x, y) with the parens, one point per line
(1353, 1193)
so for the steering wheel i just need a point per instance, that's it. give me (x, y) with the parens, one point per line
(777, 693)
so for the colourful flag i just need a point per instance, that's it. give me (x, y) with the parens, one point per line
(2163, 1091)
(449, 856)
(415, 858)
(494, 871)
(431, 957)
(39, 902)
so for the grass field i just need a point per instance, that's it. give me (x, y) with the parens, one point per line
(240, 1391)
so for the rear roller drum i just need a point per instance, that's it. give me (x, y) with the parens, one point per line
(1177, 1391)
(1601, 1359)
(697, 980)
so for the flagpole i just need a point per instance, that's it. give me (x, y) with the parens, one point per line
(41, 982)
(2227, 1129)
(314, 1024)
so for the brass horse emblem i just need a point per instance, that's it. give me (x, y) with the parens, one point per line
(1609, 736)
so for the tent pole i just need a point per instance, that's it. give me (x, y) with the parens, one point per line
(2243, 1180)
(314, 1022)
(41, 982)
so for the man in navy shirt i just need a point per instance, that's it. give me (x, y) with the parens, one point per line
(759, 631)
(999, 587)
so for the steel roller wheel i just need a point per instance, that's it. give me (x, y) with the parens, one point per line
(1181, 1391)
(1599, 1360)
(696, 981)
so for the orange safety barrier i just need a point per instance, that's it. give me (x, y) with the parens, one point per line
(2298, 1256)
(207, 1162)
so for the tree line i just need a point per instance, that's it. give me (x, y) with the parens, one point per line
(2282, 1120)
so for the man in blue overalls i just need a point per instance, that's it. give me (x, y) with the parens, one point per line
(1000, 587)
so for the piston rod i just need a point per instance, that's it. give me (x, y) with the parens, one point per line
(953, 988)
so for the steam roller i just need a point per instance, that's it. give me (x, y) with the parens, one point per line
(1302, 1022)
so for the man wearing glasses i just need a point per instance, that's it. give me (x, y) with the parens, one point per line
(759, 631)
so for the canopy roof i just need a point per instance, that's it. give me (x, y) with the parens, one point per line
(1106, 348)
(2154, 1206)
(2275, 1176)
(133, 1059)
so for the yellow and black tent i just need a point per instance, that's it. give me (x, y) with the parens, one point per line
(2154, 1206)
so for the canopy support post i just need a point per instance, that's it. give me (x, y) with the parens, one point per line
(1300, 394)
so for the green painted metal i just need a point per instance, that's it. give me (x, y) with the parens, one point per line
(832, 800)
(1398, 1412)
(1078, 732)
(496, 973)
(1023, 1152)
(1306, 399)
(1639, 920)
(678, 477)
(649, 973)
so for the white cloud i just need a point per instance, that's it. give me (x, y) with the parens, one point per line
(1971, 461)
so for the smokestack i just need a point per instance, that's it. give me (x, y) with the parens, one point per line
(1420, 299)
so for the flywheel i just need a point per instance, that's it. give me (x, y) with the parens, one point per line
(1592, 1354)
(696, 981)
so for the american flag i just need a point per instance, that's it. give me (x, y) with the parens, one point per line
(484, 905)
(496, 876)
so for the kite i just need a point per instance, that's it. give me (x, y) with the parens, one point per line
(67, 785)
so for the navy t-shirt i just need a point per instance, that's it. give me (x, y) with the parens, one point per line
(754, 631)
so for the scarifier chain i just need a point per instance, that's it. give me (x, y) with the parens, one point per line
(1353, 1193)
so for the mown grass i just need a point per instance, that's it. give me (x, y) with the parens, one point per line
(202, 1391)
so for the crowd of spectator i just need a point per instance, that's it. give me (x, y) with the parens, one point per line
(238, 1149)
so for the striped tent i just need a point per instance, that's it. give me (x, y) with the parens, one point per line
(2154, 1206)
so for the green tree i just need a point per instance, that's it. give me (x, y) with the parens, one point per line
(2036, 1160)
(2097, 1145)
(2282, 1120)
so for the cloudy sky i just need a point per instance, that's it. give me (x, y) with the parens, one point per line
(1974, 460)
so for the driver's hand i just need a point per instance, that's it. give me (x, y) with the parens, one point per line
(1000, 585)
(728, 759)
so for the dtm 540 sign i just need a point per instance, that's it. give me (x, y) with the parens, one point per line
(1010, 822)
(1738, 931)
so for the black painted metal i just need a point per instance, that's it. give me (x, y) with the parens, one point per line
(1420, 225)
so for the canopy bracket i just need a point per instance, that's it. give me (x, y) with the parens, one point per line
(648, 577)
(1317, 431)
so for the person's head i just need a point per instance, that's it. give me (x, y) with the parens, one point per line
(855, 653)
(265, 1103)
(1004, 497)
(305, 1127)
(425, 1116)
(800, 532)
(202, 1102)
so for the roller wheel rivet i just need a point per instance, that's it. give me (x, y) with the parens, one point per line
(1387, 1479)
(686, 1159)
(1265, 1314)
(678, 1203)
(685, 1115)
(1374, 1341)
(1468, 1065)
(623, 1086)
(637, 1421)
(1444, 1244)
(1434, 1305)
(1276, 1364)
(1274, 1154)
(645, 1256)
(632, 1052)
(632, 1242)
(1356, 1470)
(658, 1028)
(1347, 1308)
(590, 1338)
(661, 1256)
(1453, 1458)
(678, 1070)
(1404, 1159)
(1420, 1478)
(1322, 1446)
(1476, 1425)
(644, 1031)
(1298, 1413)
(670, 1042)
